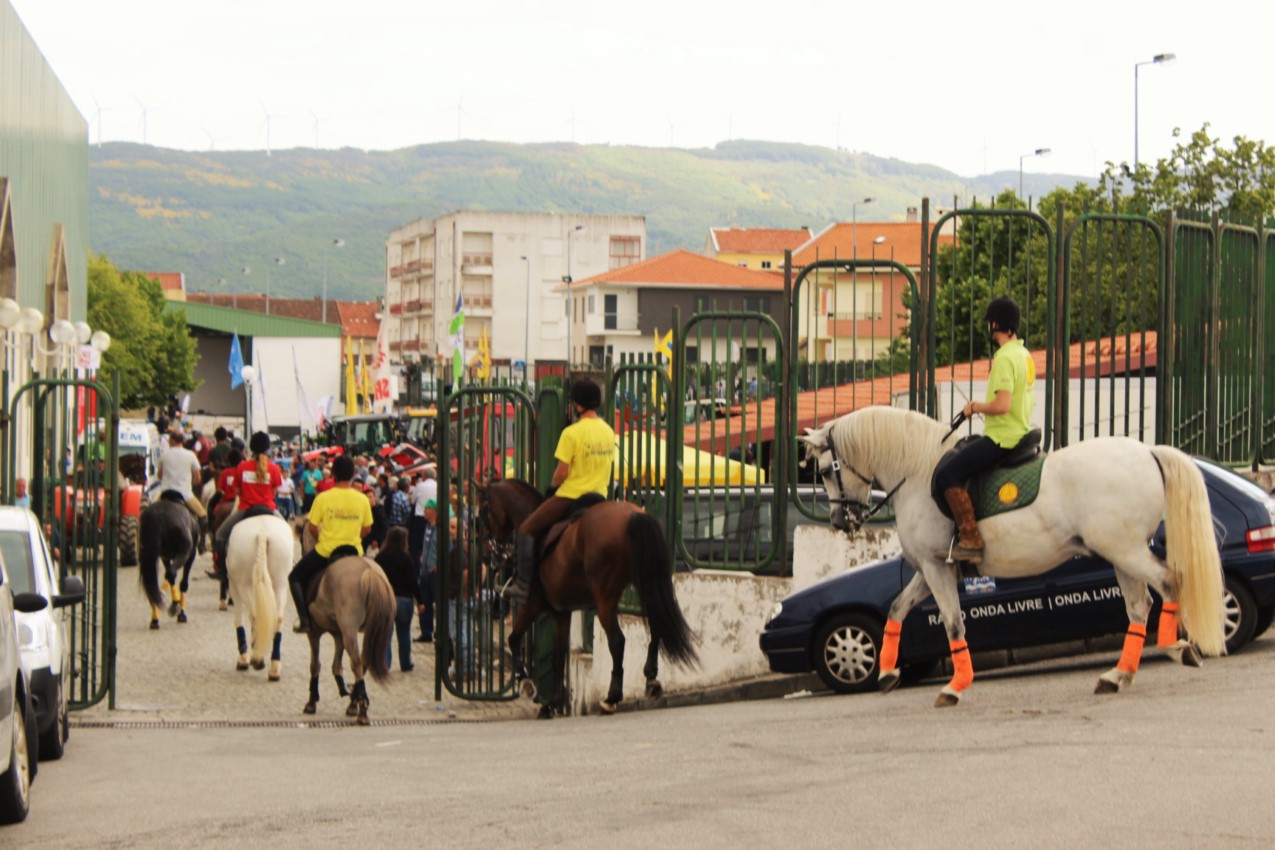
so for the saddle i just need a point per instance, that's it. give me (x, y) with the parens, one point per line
(582, 504)
(312, 588)
(1009, 485)
(260, 510)
(173, 496)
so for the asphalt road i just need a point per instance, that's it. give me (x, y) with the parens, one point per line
(1030, 759)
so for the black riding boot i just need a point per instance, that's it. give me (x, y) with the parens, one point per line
(525, 552)
(203, 535)
(298, 599)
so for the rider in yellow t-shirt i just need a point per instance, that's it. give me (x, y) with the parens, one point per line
(585, 453)
(339, 517)
(1007, 409)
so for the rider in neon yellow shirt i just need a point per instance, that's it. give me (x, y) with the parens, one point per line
(1008, 410)
(585, 453)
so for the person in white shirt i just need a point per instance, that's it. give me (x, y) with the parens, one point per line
(178, 470)
(284, 497)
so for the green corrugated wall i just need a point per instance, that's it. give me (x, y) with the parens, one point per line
(44, 154)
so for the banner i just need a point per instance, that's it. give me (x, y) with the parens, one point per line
(383, 400)
(236, 363)
(305, 413)
(351, 386)
(456, 330)
(365, 380)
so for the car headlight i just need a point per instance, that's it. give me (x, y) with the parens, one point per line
(774, 612)
(26, 637)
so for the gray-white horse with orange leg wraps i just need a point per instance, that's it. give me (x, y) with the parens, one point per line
(1102, 496)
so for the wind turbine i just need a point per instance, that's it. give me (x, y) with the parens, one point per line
(144, 112)
(212, 141)
(97, 119)
(316, 129)
(268, 117)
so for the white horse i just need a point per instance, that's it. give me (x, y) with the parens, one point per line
(258, 560)
(1103, 496)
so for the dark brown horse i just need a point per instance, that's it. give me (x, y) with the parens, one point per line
(589, 566)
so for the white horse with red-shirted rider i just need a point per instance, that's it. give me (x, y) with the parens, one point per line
(1103, 496)
(258, 560)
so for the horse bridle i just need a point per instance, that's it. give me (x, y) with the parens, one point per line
(501, 549)
(856, 514)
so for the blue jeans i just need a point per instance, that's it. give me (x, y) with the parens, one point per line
(429, 592)
(403, 630)
(460, 626)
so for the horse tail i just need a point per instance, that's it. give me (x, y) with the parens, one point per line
(1191, 550)
(649, 566)
(148, 541)
(265, 617)
(379, 610)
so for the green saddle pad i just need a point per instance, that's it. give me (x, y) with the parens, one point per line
(1004, 490)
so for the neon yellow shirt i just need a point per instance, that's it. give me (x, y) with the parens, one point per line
(340, 513)
(588, 447)
(1014, 370)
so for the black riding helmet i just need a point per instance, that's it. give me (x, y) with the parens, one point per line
(260, 443)
(586, 393)
(1004, 314)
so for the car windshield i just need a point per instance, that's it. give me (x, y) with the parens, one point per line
(1237, 481)
(15, 547)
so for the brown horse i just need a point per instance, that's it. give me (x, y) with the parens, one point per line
(589, 566)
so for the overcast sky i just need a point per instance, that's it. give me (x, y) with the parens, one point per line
(966, 86)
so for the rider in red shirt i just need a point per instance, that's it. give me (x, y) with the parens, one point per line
(227, 491)
(258, 478)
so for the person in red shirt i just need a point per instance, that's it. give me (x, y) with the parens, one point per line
(227, 491)
(327, 483)
(258, 478)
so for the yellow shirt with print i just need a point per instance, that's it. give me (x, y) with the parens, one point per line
(1013, 370)
(588, 447)
(341, 514)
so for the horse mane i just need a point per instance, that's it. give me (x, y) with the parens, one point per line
(894, 443)
(525, 487)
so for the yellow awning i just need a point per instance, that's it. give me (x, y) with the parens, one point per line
(640, 458)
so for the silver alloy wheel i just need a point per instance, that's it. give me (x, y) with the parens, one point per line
(1232, 614)
(21, 757)
(850, 654)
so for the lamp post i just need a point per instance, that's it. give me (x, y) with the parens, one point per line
(336, 243)
(526, 334)
(567, 279)
(278, 261)
(248, 373)
(1037, 152)
(854, 226)
(1158, 59)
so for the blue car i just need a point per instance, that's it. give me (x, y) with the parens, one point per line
(835, 627)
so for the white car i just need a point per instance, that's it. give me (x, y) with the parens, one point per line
(42, 635)
(18, 738)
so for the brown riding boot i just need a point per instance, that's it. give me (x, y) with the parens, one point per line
(969, 547)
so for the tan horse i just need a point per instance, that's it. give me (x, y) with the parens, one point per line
(353, 596)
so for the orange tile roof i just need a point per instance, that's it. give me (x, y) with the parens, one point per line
(169, 281)
(758, 240)
(902, 242)
(358, 318)
(682, 268)
(815, 407)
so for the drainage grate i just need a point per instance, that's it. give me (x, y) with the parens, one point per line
(262, 724)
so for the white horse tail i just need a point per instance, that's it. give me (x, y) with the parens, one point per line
(1191, 550)
(264, 615)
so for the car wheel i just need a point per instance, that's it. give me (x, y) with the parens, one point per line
(51, 742)
(1263, 622)
(15, 785)
(846, 653)
(1241, 615)
(128, 541)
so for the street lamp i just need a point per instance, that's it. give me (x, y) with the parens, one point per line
(248, 373)
(278, 261)
(526, 334)
(336, 243)
(567, 279)
(1037, 152)
(1158, 59)
(854, 225)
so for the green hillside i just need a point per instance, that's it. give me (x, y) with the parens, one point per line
(211, 214)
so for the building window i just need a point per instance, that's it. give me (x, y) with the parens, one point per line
(765, 264)
(611, 303)
(757, 305)
(592, 306)
(625, 251)
(743, 264)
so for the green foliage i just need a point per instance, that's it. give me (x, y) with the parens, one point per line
(151, 348)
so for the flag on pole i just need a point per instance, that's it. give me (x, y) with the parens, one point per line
(382, 374)
(456, 331)
(323, 412)
(236, 363)
(351, 388)
(260, 421)
(365, 379)
(305, 413)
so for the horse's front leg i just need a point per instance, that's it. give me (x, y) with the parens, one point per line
(1137, 604)
(887, 664)
(337, 671)
(185, 586)
(558, 701)
(358, 696)
(941, 580)
(312, 705)
(522, 623)
(610, 622)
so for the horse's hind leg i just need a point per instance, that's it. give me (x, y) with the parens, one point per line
(241, 637)
(558, 701)
(276, 654)
(887, 663)
(311, 706)
(1137, 603)
(651, 670)
(358, 696)
(338, 673)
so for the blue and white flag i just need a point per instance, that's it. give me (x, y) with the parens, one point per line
(236, 363)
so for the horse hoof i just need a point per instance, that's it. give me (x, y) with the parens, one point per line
(362, 719)
(155, 625)
(654, 689)
(527, 689)
(888, 681)
(545, 713)
(1191, 656)
(242, 665)
(1105, 687)
(181, 617)
(946, 699)
(173, 609)
(223, 606)
(273, 677)
(352, 709)
(309, 708)
(607, 707)
(258, 665)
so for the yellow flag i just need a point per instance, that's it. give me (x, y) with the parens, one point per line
(365, 385)
(483, 359)
(351, 388)
(663, 345)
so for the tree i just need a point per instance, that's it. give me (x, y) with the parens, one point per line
(151, 348)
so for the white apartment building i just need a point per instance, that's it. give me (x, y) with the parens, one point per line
(508, 268)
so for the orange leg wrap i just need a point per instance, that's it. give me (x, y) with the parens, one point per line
(1168, 632)
(1132, 652)
(890, 645)
(962, 669)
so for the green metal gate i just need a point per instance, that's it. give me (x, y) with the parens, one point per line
(72, 427)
